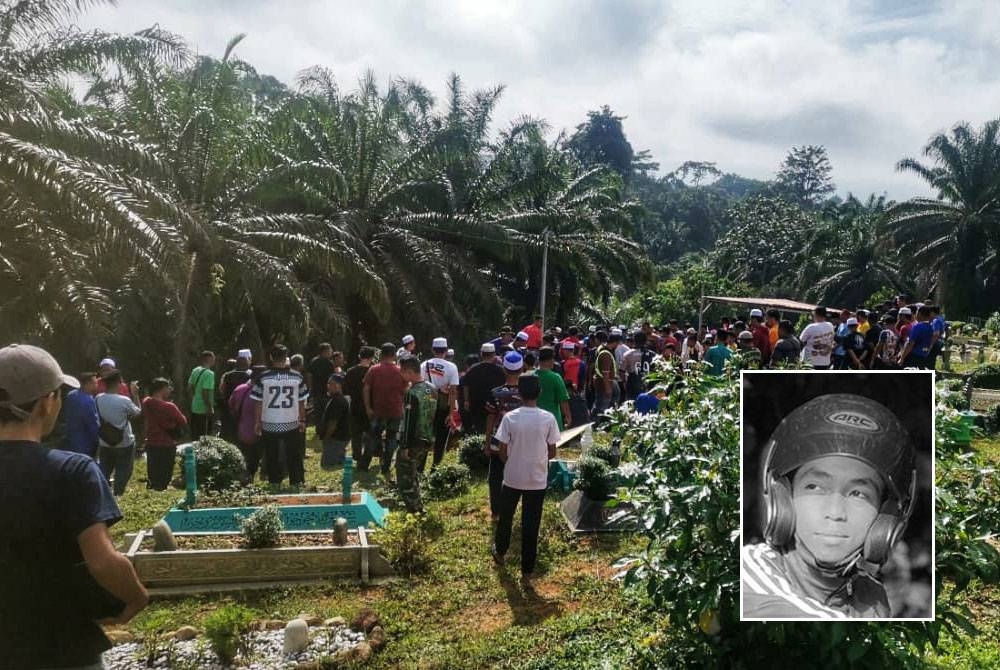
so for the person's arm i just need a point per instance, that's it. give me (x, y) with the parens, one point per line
(302, 415)
(503, 452)
(367, 393)
(906, 350)
(258, 406)
(552, 438)
(566, 415)
(112, 571)
(491, 419)
(606, 378)
(133, 391)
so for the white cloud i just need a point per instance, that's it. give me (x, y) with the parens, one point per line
(735, 83)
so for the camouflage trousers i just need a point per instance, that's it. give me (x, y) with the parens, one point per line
(407, 470)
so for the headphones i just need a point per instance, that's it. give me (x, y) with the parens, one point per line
(885, 530)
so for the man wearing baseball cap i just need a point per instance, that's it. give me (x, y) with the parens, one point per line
(505, 398)
(408, 349)
(61, 572)
(477, 385)
(443, 375)
(838, 486)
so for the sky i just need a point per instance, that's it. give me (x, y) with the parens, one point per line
(737, 84)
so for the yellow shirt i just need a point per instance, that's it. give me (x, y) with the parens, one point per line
(863, 328)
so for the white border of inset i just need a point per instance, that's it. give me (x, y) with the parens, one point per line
(933, 405)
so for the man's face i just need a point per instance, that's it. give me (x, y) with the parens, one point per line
(90, 386)
(836, 499)
(332, 388)
(338, 360)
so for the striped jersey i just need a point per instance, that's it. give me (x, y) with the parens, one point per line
(280, 392)
(780, 585)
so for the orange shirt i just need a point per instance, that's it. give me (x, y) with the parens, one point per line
(773, 333)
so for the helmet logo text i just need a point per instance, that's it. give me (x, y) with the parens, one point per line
(854, 420)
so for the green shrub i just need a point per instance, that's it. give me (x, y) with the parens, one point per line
(472, 455)
(228, 631)
(152, 629)
(262, 529)
(218, 464)
(687, 500)
(991, 420)
(986, 376)
(595, 478)
(236, 495)
(407, 540)
(448, 481)
(603, 451)
(992, 325)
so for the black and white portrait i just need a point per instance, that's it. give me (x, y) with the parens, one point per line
(837, 495)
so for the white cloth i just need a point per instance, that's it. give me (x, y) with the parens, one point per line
(279, 392)
(117, 409)
(817, 343)
(527, 432)
(440, 373)
(686, 350)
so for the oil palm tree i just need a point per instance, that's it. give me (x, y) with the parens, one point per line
(69, 190)
(955, 236)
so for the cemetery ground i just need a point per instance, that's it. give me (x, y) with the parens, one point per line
(464, 613)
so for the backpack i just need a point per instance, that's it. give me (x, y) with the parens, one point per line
(109, 433)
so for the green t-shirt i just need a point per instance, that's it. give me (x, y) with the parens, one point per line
(717, 357)
(205, 379)
(553, 392)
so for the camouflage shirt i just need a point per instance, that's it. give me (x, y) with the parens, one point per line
(419, 407)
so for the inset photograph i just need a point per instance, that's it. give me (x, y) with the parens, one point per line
(837, 517)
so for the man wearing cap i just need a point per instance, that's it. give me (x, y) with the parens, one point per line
(104, 367)
(80, 418)
(574, 373)
(477, 385)
(416, 433)
(691, 348)
(319, 370)
(61, 572)
(904, 325)
(520, 342)
(334, 427)
(232, 379)
(504, 399)
(383, 391)
(408, 348)
(201, 389)
(506, 335)
(747, 354)
(917, 348)
(443, 375)
(884, 356)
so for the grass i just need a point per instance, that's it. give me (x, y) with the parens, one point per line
(464, 613)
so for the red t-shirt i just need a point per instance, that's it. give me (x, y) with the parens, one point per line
(387, 389)
(534, 334)
(122, 388)
(161, 417)
(904, 333)
(762, 340)
(571, 371)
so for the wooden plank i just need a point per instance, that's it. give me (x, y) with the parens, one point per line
(568, 436)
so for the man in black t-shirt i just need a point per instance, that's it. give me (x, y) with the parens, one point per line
(477, 387)
(319, 370)
(354, 385)
(227, 385)
(61, 572)
(334, 424)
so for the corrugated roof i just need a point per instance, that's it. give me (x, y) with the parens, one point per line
(767, 303)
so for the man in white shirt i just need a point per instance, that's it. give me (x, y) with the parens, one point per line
(818, 340)
(117, 455)
(280, 396)
(443, 375)
(527, 437)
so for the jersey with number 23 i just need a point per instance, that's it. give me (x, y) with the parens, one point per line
(279, 392)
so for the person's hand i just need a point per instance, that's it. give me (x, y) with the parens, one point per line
(134, 387)
(466, 405)
(302, 425)
(567, 423)
(404, 454)
(257, 429)
(370, 412)
(127, 614)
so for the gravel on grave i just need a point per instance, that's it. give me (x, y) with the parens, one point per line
(267, 647)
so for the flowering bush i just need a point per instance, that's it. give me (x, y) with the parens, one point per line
(686, 493)
(218, 464)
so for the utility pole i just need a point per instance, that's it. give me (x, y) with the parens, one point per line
(545, 272)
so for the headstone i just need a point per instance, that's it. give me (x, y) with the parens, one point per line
(346, 484)
(190, 475)
(163, 537)
(376, 638)
(296, 637)
(335, 621)
(584, 515)
(340, 532)
(185, 633)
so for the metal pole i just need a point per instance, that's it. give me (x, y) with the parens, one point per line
(545, 272)
(701, 311)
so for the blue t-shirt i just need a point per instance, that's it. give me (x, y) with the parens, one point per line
(81, 423)
(921, 335)
(47, 611)
(647, 403)
(938, 324)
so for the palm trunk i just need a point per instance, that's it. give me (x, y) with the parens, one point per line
(185, 335)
